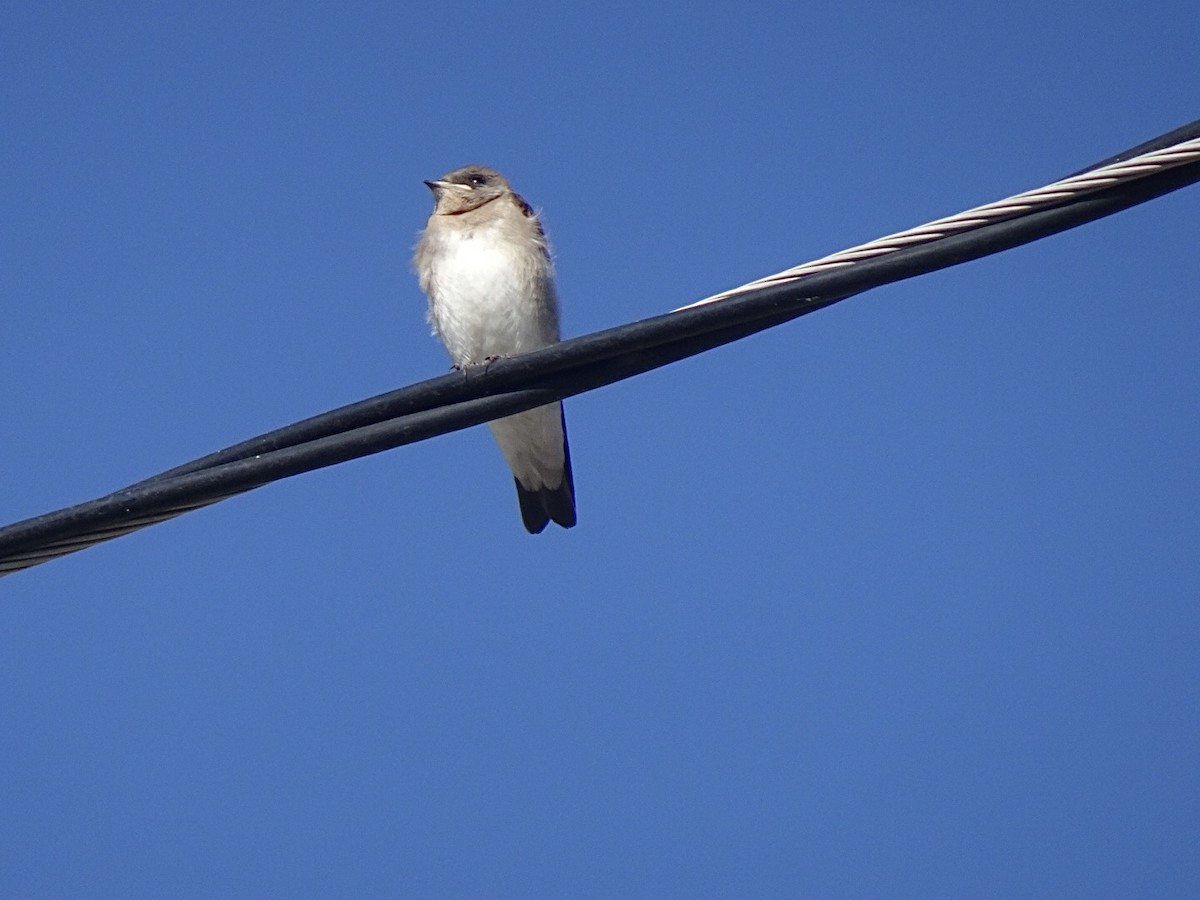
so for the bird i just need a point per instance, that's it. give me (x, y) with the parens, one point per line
(484, 263)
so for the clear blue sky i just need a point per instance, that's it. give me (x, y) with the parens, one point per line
(900, 599)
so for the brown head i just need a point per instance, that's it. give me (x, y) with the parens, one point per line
(466, 189)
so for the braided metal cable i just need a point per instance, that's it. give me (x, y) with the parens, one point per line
(1019, 204)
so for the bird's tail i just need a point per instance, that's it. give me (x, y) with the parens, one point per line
(539, 507)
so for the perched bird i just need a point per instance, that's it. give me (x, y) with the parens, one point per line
(484, 263)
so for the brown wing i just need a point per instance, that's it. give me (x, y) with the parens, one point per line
(525, 207)
(528, 212)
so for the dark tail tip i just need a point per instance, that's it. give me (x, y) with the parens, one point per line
(539, 508)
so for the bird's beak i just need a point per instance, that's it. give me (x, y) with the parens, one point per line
(438, 186)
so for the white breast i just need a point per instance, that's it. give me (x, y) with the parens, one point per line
(482, 297)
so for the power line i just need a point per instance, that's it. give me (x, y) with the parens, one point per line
(452, 402)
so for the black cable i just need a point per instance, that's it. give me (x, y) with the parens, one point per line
(456, 401)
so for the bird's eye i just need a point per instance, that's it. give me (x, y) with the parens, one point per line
(478, 180)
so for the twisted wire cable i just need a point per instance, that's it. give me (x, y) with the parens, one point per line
(1067, 189)
(456, 401)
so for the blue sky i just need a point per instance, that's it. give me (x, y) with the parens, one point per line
(896, 600)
